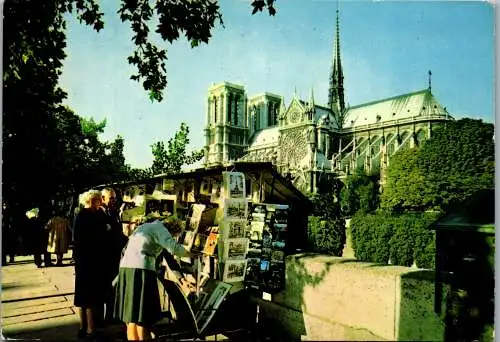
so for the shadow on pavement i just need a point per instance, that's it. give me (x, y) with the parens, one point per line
(65, 332)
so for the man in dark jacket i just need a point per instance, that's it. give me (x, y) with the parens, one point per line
(116, 241)
(38, 237)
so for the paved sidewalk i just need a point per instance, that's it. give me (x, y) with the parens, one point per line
(37, 303)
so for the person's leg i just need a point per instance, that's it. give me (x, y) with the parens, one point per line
(143, 332)
(90, 320)
(59, 259)
(47, 260)
(132, 332)
(98, 315)
(82, 314)
(38, 259)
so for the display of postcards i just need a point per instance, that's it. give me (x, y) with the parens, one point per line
(188, 194)
(234, 184)
(258, 217)
(273, 277)
(216, 192)
(279, 245)
(267, 239)
(236, 248)
(199, 243)
(197, 211)
(234, 270)
(235, 208)
(254, 253)
(264, 265)
(256, 229)
(277, 256)
(188, 238)
(281, 217)
(211, 242)
(255, 244)
(210, 303)
(269, 216)
(280, 227)
(205, 187)
(253, 262)
(195, 218)
(259, 208)
(266, 253)
(253, 270)
(235, 228)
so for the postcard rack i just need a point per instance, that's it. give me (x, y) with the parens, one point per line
(239, 242)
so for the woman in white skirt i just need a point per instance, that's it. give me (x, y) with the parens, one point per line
(137, 301)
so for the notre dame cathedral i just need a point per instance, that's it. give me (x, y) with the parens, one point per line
(305, 140)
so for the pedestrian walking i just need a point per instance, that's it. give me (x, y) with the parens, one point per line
(58, 242)
(137, 301)
(9, 236)
(38, 237)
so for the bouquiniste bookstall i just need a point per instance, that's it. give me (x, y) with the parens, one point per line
(241, 220)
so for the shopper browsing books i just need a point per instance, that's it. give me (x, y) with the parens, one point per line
(137, 301)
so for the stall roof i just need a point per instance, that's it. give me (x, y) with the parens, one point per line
(280, 186)
(476, 213)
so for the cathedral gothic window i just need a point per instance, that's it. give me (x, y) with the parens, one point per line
(215, 110)
(236, 99)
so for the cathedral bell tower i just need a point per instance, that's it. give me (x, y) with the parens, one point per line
(226, 131)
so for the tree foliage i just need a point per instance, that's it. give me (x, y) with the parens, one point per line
(171, 158)
(326, 228)
(359, 193)
(326, 236)
(407, 187)
(48, 151)
(456, 162)
(194, 20)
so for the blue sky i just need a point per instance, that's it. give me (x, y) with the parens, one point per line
(387, 50)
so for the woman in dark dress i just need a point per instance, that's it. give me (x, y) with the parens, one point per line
(90, 277)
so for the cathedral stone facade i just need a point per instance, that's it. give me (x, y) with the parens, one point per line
(307, 141)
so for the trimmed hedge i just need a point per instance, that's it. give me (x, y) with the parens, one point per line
(402, 239)
(326, 236)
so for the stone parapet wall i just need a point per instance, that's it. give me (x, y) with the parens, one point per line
(332, 298)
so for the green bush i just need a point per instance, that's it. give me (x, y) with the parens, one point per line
(403, 238)
(402, 242)
(326, 236)
(363, 236)
(425, 240)
(382, 235)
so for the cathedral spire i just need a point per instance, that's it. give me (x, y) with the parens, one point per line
(430, 81)
(336, 92)
(311, 100)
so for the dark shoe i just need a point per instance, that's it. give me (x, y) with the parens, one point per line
(49, 264)
(81, 334)
(95, 336)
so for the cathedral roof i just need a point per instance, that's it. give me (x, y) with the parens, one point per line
(320, 112)
(267, 137)
(417, 104)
